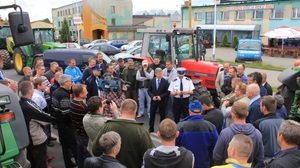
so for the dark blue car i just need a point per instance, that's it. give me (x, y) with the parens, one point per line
(117, 43)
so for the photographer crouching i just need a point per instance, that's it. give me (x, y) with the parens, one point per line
(111, 89)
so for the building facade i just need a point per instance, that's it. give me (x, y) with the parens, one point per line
(244, 20)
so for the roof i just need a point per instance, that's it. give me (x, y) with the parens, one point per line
(157, 12)
(231, 27)
(41, 24)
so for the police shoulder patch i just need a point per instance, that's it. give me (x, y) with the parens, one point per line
(187, 78)
(174, 80)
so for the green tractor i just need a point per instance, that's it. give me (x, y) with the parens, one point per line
(6, 45)
(44, 40)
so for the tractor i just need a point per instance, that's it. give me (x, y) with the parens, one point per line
(6, 44)
(13, 131)
(183, 47)
(43, 34)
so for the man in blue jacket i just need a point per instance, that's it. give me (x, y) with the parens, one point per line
(73, 71)
(253, 93)
(197, 135)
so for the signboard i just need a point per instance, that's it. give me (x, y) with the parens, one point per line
(253, 7)
(77, 20)
(235, 1)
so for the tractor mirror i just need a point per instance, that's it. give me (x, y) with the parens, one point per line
(20, 28)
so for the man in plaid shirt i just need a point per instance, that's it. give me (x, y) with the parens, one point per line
(118, 96)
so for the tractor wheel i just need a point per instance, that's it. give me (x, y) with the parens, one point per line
(5, 58)
(19, 60)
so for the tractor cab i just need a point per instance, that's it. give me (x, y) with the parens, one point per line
(183, 47)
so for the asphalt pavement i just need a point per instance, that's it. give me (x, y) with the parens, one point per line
(223, 53)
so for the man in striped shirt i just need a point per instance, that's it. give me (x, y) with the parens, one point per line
(78, 109)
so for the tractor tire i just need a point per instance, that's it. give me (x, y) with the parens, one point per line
(6, 59)
(19, 59)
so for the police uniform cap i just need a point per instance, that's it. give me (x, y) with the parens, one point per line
(181, 71)
(96, 67)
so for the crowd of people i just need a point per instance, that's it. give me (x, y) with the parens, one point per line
(95, 113)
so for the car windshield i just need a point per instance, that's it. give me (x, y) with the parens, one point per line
(43, 35)
(183, 46)
(5, 32)
(132, 43)
(250, 46)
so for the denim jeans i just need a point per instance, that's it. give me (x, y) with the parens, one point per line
(82, 153)
(143, 93)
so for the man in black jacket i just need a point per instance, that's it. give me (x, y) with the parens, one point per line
(288, 139)
(61, 107)
(92, 82)
(158, 92)
(266, 84)
(35, 119)
(110, 145)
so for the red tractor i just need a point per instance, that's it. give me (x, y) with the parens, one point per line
(183, 47)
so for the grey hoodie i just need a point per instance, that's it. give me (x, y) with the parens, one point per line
(220, 150)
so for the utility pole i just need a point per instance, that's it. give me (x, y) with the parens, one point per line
(215, 31)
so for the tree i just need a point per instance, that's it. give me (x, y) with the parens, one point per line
(46, 20)
(225, 40)
(235, 42)
(65, 32)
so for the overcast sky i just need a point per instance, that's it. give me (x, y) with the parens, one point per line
(41, 9)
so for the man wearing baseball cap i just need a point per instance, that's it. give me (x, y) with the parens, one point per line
(92, 82)
(181, 88)
(197, 135)
(143, 76)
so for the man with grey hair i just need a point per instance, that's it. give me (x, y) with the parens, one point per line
(253, 93)
(61, 107)
(158, 92)
(288, 138)
(135, 138)
(110, 145)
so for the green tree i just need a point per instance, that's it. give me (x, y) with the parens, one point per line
(235, 42)
(46, 20)
(65, 32)
(225, 41)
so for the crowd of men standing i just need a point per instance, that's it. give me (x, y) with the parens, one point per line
(95, 116)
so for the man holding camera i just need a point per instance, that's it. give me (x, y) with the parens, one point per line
(158, 92)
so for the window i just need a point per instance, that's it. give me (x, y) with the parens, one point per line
(225, 15)
(198, 16)
(257, 14)
(58, 23)
(296, 12)
(277, 13)
(113, 21)
(240, 15)
(70, 22)
(113, 9)
(69, 12)
(57, 13)
(72, 10)
(209, 18)
(61, 13)
(66, 12)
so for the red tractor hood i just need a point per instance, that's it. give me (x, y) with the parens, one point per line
(202, 70)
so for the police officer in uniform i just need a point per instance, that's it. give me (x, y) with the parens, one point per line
(181, 88)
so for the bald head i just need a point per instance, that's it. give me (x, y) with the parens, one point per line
(128, 108)
(252, 90)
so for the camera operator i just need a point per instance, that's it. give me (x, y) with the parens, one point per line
(111, 89)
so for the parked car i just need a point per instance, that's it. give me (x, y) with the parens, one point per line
(107, 49)
(118, 43)
(72, 45)
(135, 51)
(61, 56)
(98, 41)
(83, 41)
(132, 44)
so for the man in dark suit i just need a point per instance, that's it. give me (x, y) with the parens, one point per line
(92, 82)
(266, 84)
(158, 92)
